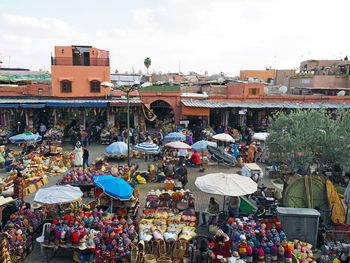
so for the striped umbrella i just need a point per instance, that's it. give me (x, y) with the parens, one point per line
(175, 136)
(149, 147)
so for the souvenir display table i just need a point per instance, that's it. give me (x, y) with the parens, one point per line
(4, 135)
(167, 225)
(55, 135)
(263, 240)
(106, 236)
(20, 229)
(108, 135)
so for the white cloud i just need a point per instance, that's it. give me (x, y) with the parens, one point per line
(220, 35)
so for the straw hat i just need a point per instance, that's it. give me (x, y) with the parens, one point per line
(6, 200)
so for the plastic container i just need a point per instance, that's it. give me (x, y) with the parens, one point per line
(299, 223)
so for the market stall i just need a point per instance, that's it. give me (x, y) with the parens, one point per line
(20, 230)
(145, 148)
(109, 135)
(168, 220)
(54, 136)
(118, 195)
(5, 134)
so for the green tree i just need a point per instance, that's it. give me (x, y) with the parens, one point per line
(303, 138)
(147, 63)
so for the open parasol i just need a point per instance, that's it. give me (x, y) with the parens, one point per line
(58, 194)
(223, 137)
(178, 145)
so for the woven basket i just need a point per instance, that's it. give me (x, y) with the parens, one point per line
(149, 258)
(164, 260)
(169, 186)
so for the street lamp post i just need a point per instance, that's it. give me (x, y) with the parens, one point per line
(128, 90)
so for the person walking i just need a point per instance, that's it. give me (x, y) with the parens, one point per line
(160, 137)
(251, 152)
(85, 157)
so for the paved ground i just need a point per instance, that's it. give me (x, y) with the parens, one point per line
(201, 199)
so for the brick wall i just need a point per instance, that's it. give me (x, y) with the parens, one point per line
(28, 90)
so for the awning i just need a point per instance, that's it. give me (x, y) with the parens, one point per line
(9, 106)
(191, 111)
(123, 102)
(76, 104)
(33, 106)
(260, 105)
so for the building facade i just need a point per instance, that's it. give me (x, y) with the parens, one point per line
(78, 71)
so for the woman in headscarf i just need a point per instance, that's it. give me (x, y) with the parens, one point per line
(221, 247)
(78, 150)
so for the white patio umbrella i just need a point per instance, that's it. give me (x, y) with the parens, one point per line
(226, 184)
(261, 136)
(178, 145)
(58, 194)
(223, 137)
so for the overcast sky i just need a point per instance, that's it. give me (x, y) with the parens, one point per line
(199, 35)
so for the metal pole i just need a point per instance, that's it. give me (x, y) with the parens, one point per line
(128, 124)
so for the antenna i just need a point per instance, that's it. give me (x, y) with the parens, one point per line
(179, 66)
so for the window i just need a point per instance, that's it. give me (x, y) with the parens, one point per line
(66, 86)
(40, 91)
(253, 91)
(95, 86)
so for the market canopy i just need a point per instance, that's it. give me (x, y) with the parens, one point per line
(261, 136)
(178, 145)
(226, 184)
(223, 137)
(117, 148)
(114, 187)
(203, 145)
(174, 136)
(58, 194)
(149, 147)
(25, 137)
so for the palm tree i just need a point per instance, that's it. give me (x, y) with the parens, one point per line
(147, 63)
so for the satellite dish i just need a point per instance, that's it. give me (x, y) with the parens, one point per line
(266, 90)
(341, 93)
(283, 89)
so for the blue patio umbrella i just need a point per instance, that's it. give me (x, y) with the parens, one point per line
(149, 147)
(25, 137)
(175, 136)
(202, 145)
(117, 148)
(114, 187)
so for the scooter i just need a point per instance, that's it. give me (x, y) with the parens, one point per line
(270, 203)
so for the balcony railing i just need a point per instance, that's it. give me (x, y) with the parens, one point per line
(80, 61)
